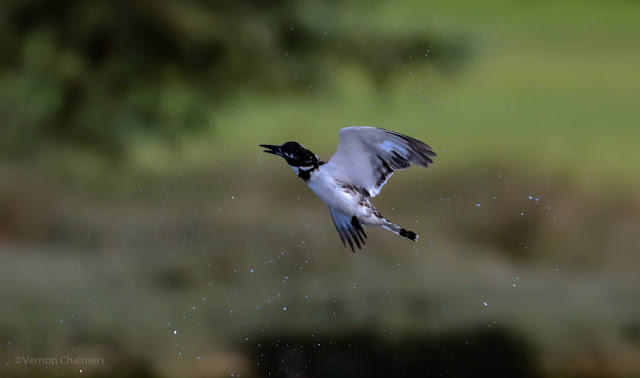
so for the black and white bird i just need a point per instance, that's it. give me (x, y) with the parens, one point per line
(364, 161)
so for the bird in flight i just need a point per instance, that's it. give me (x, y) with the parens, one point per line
(365, 159)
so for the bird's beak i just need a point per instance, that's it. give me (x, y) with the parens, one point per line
(272, 149)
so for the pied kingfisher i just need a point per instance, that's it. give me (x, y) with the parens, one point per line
(365, 159)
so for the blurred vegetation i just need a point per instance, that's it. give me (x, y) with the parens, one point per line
(139, 221)
(93, 73)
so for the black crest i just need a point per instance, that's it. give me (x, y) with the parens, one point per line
(298, 156)
(295, 154)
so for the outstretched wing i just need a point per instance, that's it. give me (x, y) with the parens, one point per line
(349, 228)
(367, 157)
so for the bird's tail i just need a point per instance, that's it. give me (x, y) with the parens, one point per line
(400, 231)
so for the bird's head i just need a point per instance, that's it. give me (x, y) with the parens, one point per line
(295, 154)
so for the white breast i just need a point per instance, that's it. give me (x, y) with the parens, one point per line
(331, 192)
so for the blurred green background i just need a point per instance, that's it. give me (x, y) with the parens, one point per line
(141, 223)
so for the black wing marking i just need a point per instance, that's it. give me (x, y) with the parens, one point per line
(383, 171)
(349, 228)
(368, 156)
(420, 152)
(358, 226)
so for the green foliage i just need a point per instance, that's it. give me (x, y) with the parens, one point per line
(93, 74)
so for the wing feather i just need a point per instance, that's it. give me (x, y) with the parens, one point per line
(350, 231)
(367, 157)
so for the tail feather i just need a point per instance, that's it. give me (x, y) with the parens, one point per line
(401, 231)
(409, 234)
